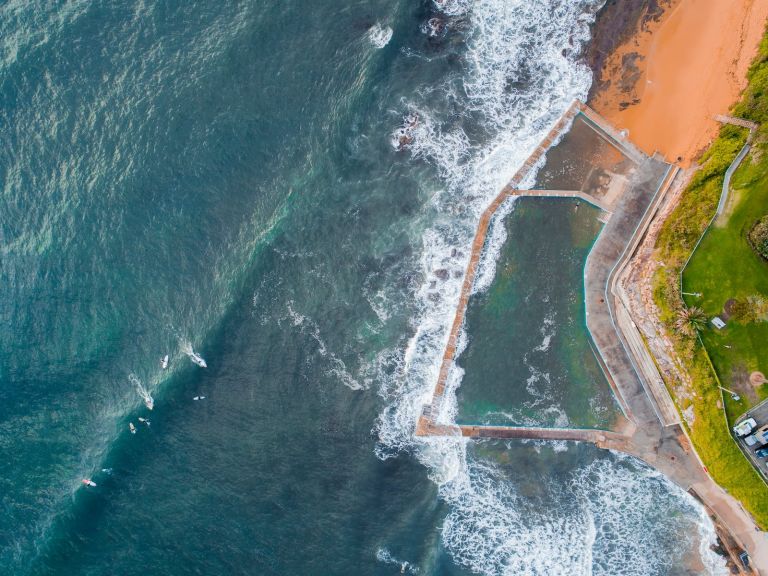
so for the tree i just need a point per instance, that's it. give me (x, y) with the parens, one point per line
(742, 311)
(690, 320)
(758, 237)
(759, 306)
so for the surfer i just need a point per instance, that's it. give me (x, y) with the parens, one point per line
(143, 392)
(199, 398)
(197, 359)
(89, 482)
(186, 347)
(132, 428)
(164, 362)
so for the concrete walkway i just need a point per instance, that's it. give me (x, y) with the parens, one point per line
(559, 194)
(751, 126)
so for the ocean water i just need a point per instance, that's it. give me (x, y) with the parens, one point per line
(222, 177)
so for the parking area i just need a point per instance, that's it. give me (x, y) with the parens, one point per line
(760, 433)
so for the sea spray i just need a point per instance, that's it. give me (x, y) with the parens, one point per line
(521, 71)
(507, 41)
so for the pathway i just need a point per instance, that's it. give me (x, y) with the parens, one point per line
(751, 126)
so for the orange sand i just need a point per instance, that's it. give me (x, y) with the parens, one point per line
(695, 64)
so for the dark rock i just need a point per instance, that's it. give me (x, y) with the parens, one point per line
(615, 23)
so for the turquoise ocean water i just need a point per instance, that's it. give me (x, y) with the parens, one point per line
(222, 176)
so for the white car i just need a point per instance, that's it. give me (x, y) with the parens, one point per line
(750, 440)
(744, 428)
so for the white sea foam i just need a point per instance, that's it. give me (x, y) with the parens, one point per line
(379, 35)
(610, 517)
(495, 239)
(520, 74)
(548, 330)
(629, 504)
(452, 7)
(377, 300)
(385, 556)
(492, 530)
(142, 391)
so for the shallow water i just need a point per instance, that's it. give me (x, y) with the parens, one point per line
(222, 176)
(529, 360)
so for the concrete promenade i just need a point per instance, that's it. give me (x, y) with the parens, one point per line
(650, 429)
(560, 194)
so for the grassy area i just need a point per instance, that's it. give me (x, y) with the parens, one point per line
(723, 267)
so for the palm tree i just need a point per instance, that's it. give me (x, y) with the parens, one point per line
(690, 320)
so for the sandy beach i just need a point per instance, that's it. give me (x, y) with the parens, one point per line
(679, 69)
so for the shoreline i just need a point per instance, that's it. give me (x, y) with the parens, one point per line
(676, 70)
(645, 87)
(651, 429)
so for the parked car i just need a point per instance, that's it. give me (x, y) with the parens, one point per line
(751, 440)
(761, 453)
(744, 557)
(744, 428)
(761, 435)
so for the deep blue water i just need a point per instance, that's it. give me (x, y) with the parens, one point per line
(221, 175)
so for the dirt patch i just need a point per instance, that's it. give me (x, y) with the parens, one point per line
(757, 379)
(741, 384)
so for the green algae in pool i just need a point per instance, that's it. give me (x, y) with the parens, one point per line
(529, 358)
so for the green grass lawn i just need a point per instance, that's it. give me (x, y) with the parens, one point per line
(724, 266)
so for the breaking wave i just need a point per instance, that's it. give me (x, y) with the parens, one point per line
(602, 525)
(385, 557)
(379, 35)
(520, 73)
(620, 498)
